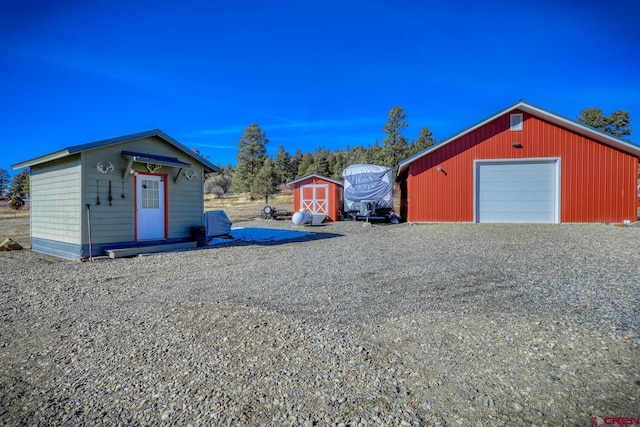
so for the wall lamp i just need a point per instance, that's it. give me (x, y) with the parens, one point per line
(439, 169)
(516, 145)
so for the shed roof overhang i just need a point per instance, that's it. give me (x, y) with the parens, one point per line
(152, 159)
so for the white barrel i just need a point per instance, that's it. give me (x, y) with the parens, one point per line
(302, 217)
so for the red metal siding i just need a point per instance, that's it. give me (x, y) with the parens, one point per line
(334, 207)
(598, 182)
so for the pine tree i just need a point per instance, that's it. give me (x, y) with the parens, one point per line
(306, 166)
(5, 179)
(425, 140)
(281, 166)
(19, 185)
(294, 163)
(266, 181)
(251, 156)
(395, 145)
(617, 124)
(339, 165)
(322, 162)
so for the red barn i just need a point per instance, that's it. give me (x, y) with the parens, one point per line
(318, 194)
(522, 165)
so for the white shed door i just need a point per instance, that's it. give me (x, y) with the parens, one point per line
(150, 207)
(314, 198)
(517, 191)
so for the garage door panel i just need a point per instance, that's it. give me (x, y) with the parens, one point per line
(526, 216)
(523, 209)
(507, 178)
(516, 191)
(518, 196)
(495, 173)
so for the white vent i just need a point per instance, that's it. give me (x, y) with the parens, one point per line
(516, 121)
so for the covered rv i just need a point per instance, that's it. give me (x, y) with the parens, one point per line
(368, 192)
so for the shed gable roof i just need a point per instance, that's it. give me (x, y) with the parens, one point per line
(117, 140)
(564, 122)
(311, 175)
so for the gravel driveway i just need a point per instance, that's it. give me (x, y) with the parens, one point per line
(446, 324)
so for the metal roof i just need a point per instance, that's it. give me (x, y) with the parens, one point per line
(556, 119)
(117, 140)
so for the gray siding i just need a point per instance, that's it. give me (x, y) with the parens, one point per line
(186, 204)
(116, 223)
(56, 212)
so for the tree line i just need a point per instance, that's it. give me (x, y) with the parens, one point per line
(16, 186)
(260, 175)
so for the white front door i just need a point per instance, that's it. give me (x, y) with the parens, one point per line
(150, 207)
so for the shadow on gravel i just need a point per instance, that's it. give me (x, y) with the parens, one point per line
(266, 237)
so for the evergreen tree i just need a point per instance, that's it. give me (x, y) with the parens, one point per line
(306, 166)
(617, 124)
(251, 156)
(395, 145)
(339, 164)
(5, 180)
(19, 185)
(266, 180)
(322, 162)
(294, 163)
(593, 117)
(425, 140)
(229, 169)
(281, 166)
(357, 155)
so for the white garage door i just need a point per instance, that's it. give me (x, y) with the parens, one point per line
(521, 191)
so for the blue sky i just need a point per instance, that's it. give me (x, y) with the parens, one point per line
(309, 73)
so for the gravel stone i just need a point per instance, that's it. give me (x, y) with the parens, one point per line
(431, 324)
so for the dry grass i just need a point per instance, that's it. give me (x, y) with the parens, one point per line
(240, 208)
(14, 224)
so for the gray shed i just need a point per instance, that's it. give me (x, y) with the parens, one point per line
(133, 191)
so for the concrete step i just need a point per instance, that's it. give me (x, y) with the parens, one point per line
(126, 252)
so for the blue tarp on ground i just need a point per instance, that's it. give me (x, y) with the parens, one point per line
(259, 235)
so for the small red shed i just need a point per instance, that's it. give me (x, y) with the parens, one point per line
(522, 165)
(318, 194)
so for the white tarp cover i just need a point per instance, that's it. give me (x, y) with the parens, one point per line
(367, 182)
(216, 223)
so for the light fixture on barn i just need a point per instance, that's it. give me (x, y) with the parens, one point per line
(439, 169)
(100, 166)
(153, 167)
(516, 144)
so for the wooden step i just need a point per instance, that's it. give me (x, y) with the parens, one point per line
(126, 252)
